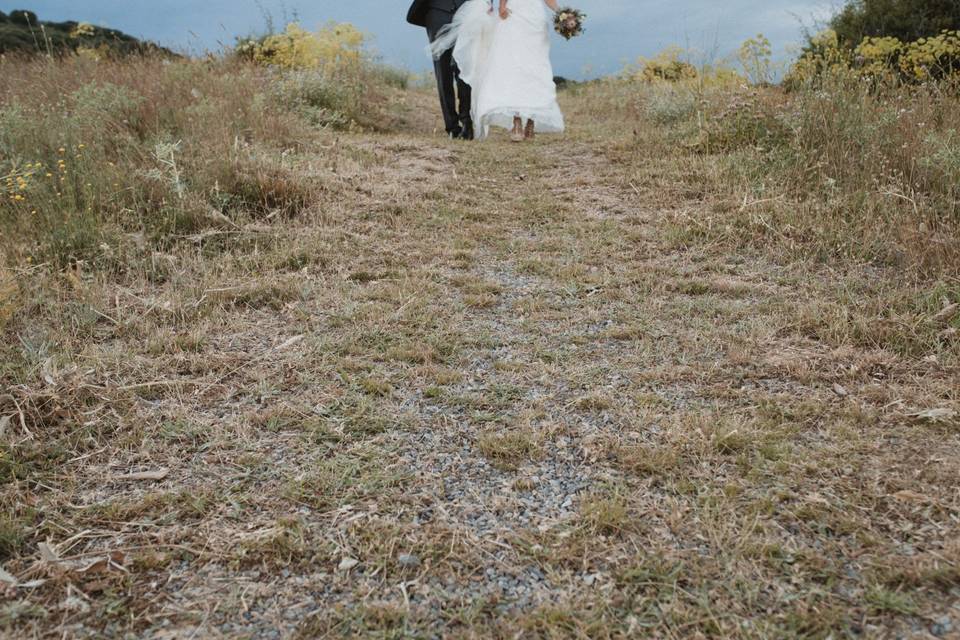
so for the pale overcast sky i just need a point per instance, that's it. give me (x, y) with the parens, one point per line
(618, 31)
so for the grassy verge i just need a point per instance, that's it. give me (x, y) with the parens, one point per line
(333, 380)
(846, 175)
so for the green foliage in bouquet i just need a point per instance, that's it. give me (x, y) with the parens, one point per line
(568, 22)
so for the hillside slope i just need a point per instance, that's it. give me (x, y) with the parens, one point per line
(23, 32)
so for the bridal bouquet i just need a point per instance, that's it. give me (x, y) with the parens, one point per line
(569, 22)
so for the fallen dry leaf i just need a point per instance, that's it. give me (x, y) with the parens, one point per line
(934, 415)
(289, 343)
(158, 474)
(912, 496)
(8, 578)
(947, 314)
(47, 553)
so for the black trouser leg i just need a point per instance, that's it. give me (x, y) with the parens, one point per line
(446, 83)
(464, 96)
(449, 85)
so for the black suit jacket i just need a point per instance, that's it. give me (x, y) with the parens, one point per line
(417, 15)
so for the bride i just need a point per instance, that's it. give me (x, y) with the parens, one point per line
(505, 58)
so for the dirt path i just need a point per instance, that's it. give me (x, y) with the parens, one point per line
(491, 394)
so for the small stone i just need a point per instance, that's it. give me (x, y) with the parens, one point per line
(409, 561)
(348, 563)
(942, 627)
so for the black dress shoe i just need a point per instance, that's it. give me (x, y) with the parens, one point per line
(455, 134)
(466, 133)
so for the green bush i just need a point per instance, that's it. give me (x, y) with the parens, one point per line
(327, 76)
(22, 32)
(318, 99)
(940, 160)
(747, 120)
(882, 61)
(906, 20)
(866, 177)
(145, 152)
(669, 104)
(23, 17)
(667, 66)
(391, 76)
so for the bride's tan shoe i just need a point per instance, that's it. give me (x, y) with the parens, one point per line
(517, 134)
(528, 132)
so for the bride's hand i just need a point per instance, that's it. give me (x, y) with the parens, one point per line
(504, 11)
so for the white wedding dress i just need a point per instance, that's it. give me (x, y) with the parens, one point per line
(506, 63)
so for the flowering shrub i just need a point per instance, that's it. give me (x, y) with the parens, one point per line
(879, 58)
(83, 30)
(335, 50)
(755, 58)
(667, 65)
(670, 66)
(326, 76)
(823, 57)
(932, 58)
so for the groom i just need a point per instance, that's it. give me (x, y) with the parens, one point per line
(434, 15)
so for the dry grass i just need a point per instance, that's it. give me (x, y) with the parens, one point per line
(431, 399)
